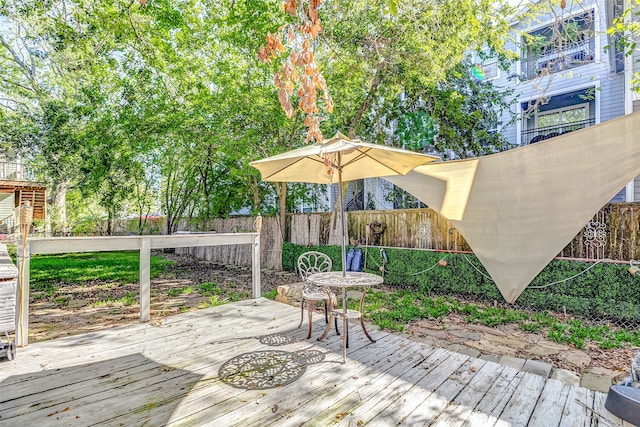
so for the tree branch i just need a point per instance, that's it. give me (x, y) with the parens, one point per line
(28, 71)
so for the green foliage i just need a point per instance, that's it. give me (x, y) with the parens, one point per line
(604, 291)
(394, 310)
(492, 316)
(165, 105)
(11, 250)
(128, 299)
(215, 292)
(47, 271)
(209, 289)
(174, 292)
(270, 294)
(416, 130)
(215, 301)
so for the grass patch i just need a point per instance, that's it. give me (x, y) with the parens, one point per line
(214, 301)
(172, 293)
(492, 316)
(209, 289)
(47, 272)
(271, 294)
(394, 310)
(128, 299)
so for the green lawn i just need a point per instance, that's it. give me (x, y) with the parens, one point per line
(116, 267)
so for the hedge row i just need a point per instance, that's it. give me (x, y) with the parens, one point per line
(603, 292)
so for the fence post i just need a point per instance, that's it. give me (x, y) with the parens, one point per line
(145, 278)
(22, 313)
(255, 259)
(255, 267)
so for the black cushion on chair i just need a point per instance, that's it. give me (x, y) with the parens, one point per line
(624, 402)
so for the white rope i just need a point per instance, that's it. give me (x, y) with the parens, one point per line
(430, 268)
(476, 268)
(384, 261)
(383, 269)
(569, 278)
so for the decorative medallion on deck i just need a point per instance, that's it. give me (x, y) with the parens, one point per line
(276, 340)
(259, 370)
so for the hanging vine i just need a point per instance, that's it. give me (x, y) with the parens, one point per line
(299, 69)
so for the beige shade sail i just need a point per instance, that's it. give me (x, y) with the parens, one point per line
(518, 209)
(352, 158)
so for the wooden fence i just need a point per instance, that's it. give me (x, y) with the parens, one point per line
(614, 233)
(270, 242)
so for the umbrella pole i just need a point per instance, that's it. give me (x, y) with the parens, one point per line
(342, 218)
(345, 331)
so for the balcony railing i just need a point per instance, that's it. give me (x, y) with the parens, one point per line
(530, 136)
(15, 171)
(559, 59)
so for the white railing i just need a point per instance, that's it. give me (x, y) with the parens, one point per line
(57, 245)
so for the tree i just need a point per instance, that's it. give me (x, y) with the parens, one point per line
(370, 56)
(461, 114)
(109, 96)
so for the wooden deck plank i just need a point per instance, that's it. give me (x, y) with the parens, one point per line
(118, 340)
(380, 359)
(181, 350)
(420, 390)
(380, 396)
(488, 410)
(548, 410)
(225, 405)
(602, 417)
(169, 374)
(438, 401)
(576, 413)
(184, 351)
(350, 391)
(523, 401)
(462, 406)
(325, 384)
(313, 376)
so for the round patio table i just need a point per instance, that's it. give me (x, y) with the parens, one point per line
(349, 279)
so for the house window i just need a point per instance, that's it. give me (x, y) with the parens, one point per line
(562, 116)
(555, 115)
(485, 65)
(558, 47)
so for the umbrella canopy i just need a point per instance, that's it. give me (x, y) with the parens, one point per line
(351, 158)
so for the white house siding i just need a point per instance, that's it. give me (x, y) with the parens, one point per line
(6, 205)
(608, 85)
(612, 97)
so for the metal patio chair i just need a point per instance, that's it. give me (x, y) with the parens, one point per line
(308, 263)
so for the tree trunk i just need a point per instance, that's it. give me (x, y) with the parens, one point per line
(57, 221)
(109, 223)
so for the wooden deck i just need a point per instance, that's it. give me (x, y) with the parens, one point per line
(246, 364)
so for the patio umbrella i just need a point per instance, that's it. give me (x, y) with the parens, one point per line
(350, 158)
